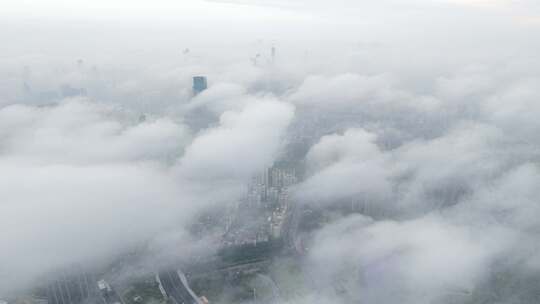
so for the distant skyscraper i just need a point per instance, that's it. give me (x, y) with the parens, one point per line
(185, 53)
(26, 88)
(199, 84)
(273, 54)
(255, 59)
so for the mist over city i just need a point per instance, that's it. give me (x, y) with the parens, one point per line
(269, 151)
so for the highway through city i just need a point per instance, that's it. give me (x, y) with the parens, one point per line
(176, 287)
(290, 228)
(276, 297)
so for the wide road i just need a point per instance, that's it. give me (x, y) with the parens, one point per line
(175, 289)
(290, 228)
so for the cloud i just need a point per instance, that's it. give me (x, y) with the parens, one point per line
(358, 92)
(344, 166)
(425, 259)
(243, 144)
(391, 105)
(84, 182)
(220, 98)
(455, 206)
(86, 133)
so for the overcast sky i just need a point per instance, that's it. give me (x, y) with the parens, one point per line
(427, 111)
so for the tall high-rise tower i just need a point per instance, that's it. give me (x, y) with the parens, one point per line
(199, 84)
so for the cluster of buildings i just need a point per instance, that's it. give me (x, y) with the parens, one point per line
(271, 192)
(251, 232)
(271, 187)
(260, 216)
